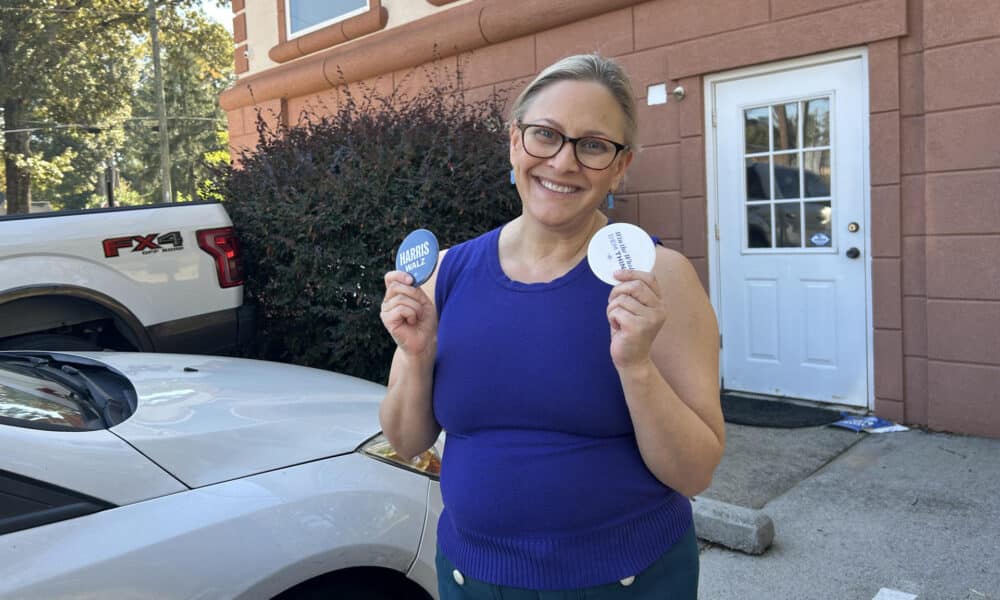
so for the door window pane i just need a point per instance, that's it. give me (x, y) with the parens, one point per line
(787, 225)
(819, 219)
(816, 131)
(786, 176)
(755, 130)
(759, 226)
(786, 126)
(816, 166)
(304, 14)
(787, 156)
(758, 178)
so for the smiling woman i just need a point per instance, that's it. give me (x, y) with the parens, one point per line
(579, 412)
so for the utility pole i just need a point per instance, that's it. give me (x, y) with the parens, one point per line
(161, 106)
(109, 183)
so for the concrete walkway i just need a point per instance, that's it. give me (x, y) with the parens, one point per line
(892, 516)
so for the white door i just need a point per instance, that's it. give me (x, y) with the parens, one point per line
(791, 160)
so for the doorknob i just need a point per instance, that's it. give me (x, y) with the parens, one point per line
(853, 253)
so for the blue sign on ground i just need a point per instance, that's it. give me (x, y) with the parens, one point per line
(418, 255)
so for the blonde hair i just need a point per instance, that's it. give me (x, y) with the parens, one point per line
(584, 67)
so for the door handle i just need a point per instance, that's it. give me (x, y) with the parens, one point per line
(853, 253)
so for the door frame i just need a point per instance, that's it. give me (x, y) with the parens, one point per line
(712, 188)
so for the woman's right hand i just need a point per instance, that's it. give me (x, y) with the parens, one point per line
(409, 316)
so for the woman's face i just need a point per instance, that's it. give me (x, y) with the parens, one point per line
(559, 191)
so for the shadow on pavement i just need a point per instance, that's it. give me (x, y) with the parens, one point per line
(762, 463)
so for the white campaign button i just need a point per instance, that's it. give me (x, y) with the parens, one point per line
(628, 580)
(459, 578)
(620, 246)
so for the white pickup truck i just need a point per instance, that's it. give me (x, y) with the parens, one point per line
(164, 278)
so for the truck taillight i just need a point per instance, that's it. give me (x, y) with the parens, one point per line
(222, 245)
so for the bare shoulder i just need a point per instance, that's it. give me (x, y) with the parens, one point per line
(675, 272)
(431, 283)
(682, 291)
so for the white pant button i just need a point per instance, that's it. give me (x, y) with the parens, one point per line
(459, 578)
(628, 580)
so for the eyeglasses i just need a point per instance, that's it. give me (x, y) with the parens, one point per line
(594, 153)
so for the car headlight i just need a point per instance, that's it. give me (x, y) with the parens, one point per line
(427, 462)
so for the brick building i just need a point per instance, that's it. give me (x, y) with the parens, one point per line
(831, 167)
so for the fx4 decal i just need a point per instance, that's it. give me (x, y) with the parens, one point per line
(147, 244)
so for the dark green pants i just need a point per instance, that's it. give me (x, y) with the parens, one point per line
(674, 576)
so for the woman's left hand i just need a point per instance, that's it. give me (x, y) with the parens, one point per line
(636, 315)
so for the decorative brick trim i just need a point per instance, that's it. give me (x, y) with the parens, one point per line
(446, 33)
(282, 33)
(329, 36)
(242, 63)
(240, 28)
(238, 5)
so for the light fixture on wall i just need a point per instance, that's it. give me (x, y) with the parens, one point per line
(657, 94)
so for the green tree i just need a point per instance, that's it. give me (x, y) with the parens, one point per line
(61, 62)
(197, 63)
(79, 155)
(69, 70)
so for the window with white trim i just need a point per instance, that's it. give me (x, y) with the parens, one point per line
(303, 16)
(789, 196)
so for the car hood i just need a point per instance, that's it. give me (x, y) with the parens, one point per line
(207, 419)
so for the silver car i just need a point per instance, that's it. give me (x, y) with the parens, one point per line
(175, 476)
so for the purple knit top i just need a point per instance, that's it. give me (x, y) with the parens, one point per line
(542, 480)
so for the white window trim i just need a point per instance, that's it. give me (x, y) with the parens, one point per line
(288, 20)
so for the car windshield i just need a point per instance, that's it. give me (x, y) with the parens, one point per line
(31, 401)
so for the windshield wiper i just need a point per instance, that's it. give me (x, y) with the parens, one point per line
(97, 395)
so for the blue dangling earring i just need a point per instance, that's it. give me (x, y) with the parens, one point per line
(610, 200)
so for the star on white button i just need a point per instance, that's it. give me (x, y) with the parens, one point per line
(628, 581)
(459, 578)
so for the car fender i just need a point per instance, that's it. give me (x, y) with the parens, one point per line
(147, 259)
(27, 276)
(153, 293)
(247, 538)
(93, 463)
(38, 308)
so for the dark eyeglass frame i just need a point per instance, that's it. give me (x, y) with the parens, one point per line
(565, 138)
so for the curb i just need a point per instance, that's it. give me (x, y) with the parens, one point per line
(735, 527)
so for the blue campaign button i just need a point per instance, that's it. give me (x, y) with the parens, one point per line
(418, 255)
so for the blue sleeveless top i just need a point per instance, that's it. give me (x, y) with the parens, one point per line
(542, 480)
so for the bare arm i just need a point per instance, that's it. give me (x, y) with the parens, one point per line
(407, 412)
(665, 346)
